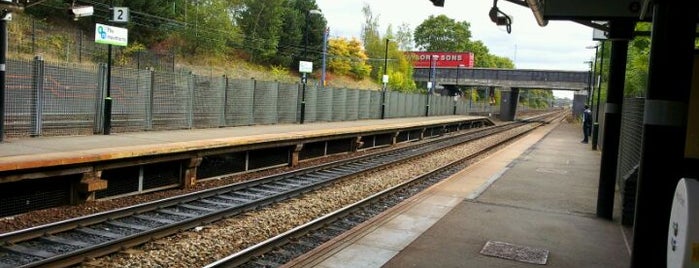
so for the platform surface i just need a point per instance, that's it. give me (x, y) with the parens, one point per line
(22, 153)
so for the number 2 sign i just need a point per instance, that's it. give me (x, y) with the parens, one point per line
(121, 14)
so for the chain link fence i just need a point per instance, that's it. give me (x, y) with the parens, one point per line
(62, 99)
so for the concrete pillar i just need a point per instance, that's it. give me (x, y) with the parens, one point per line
(508, 104)
(357, 143)
(664, 128)
(89, 183)
(190, 172)
(620, 33)
(294, 161)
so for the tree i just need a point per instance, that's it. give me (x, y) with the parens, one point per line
(346, 57)
(400, 71)
(637, 64)
(442, 33)
(404, 37)
(208, 28)
(261, 24)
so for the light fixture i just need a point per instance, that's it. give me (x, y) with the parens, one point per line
(499, 17)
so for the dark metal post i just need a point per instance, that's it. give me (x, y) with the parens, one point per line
(385, 85)
(33, 35)
(303, 75)
(594, 72)
(433, 59)
(325, 54)
(595, 125)
(106, 128)
(664, 128)
(457, 86)
(591, 83)
(612, 118)
(3, 69)
(37, 101)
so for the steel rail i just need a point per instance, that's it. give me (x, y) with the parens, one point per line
(9, 241)
(244, 256)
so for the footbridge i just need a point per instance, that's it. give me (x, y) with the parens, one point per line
(507, 78)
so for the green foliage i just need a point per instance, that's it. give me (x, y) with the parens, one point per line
(380, 53)
(637, 63)
(360, 71)
(404, 37)
(442, 33)
(279, 73)
(208, 28)
(149, 30)
(281, 31)
(128, 52)
(536, 98)
(346, 57)
(261, 21)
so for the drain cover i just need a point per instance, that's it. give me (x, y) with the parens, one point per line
(515, 252)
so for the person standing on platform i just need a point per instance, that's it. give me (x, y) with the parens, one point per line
(587, 123)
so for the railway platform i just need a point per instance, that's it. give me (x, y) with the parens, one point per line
(44, 172)
(530, 203)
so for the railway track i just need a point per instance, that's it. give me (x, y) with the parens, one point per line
(72, 241)
(284, 248)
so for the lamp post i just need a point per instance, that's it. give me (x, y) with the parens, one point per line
(384, 79)
(325, 55)
(304, 72)
(430, 84)
(594, 68)
(5, 16)
(456, 93)
(595, 125)
(591, 84)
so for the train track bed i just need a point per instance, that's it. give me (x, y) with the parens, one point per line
(203, 242)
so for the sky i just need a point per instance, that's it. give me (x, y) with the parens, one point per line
(560, 45)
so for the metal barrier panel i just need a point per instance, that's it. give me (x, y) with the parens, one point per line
(19, 98)
(240, 102)
(410, 107)
(375, 105)
(311, 103)
(265, 108)
(630, 136)
(629, 158)
(130, 99)
(403, 107)
(364, 102)
(421, 100)
(392, 109)
(339, 105)
(324, 108)
(69, 99)
(287, 103)
(208, 102)
(462, 107)
(171, 101)
(446, 105)
(352, 104)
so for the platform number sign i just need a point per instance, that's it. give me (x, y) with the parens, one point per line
(121, 14)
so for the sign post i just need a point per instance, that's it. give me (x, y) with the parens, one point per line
(305, 67)
(110, 35)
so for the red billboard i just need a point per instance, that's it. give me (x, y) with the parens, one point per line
(421, 59)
